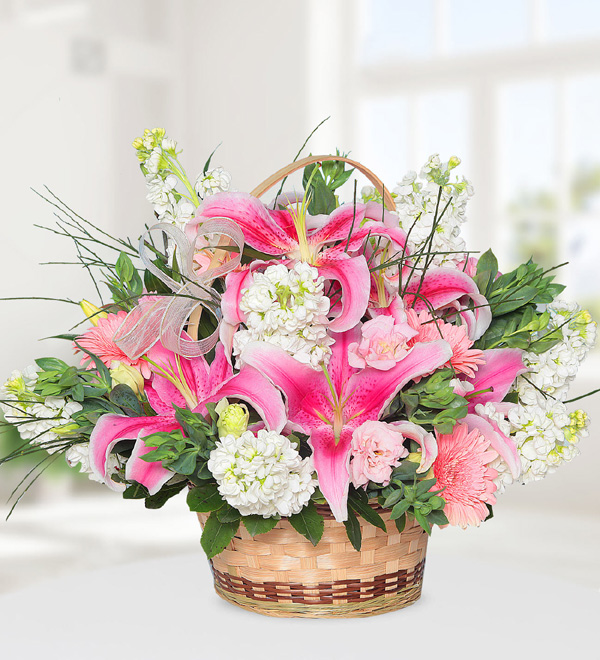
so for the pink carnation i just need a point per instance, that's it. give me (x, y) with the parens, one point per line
(465, 359)
(384, 343)
(376, 450)
(462, 470)
(99, 341)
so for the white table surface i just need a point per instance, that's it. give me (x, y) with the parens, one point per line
(166, 608)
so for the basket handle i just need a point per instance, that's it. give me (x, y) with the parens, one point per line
(267, 184)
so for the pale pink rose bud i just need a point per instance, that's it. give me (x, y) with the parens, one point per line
(383, 344)
(376, 450)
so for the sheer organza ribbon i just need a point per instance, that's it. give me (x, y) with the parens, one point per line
(165, 317)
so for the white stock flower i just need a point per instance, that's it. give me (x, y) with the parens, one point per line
(47, 419)
(416, 203)
(554, 370)
(79, 454)
(160, 192)
(288, 308)
(214, 181)
(262, 474)
(178, 214)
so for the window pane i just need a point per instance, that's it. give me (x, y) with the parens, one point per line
(443, 126)
(396, 29)
(584, 139)
(572, 19)
(528, 174)
(485, 25)
(382, 137)
(582, 227)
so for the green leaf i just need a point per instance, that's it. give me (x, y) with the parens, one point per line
(185, 463)
(353, 530)
(367, 512)
(393, 498)
(124, 268)
(308, 522)
(399, 509)
(204, 498)
(422, 520)
(51, 364)
(438, 518)
(228, 513)
(425, 486)
(123, 396)
(217, 535)
(135, 492)
(158, 500)
(258, 525)
(401, 523)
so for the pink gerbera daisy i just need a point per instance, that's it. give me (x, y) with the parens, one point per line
(99, 341)
(465, 359)
(462, 470)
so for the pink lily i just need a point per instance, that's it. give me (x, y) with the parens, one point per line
(329, 405)
(502, 444)
(186, 383)
(286, 233)
(497, 374)
(502, 366)
(450, 289)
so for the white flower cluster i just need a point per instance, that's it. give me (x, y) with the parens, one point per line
(213, 181)
(38, 419)
(545, 433)
(158, 156)
(416, 203)
(552, 372)
(262, 474)
(288, 308)
(80, 454)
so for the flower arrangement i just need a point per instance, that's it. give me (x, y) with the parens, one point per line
(273, 360)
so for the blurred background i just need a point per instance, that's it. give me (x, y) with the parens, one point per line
(513, 88)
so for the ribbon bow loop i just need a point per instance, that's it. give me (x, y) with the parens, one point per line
(165, 317)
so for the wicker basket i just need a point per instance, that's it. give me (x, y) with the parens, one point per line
(282, 574)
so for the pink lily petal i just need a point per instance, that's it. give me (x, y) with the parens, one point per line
(354, 277)
(110, 429)
(477, 320)
(298, 381)
(151, 475)
(161, 407)
(376, 211)
(251, 386)
(235, 282)
(220, 369)
(374, 389)
(504, 446)
(331, 462)
(502, 366)
(427, 441)
(260, 228)
(442, 287)
(193, 372)
(338, 225)
(339, 367)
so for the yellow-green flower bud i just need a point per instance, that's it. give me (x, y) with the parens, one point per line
(453, 162)
(233, 420)
(124, 374)
(93, 313)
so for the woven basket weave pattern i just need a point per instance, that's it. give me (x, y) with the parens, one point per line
(281, 573)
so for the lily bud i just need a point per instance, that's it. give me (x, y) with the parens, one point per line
(233, 420)
(93, 313)
(124, 374)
